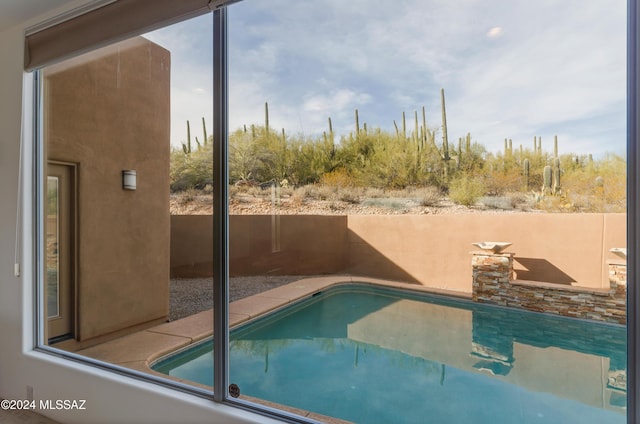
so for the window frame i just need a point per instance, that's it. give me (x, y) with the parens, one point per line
(221, 242)
(39, 255)
(633, 199)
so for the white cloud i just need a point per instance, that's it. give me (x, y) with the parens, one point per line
(495, 32)
(510, 69)
(336, 100)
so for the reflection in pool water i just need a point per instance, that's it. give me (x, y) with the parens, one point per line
(371, 355)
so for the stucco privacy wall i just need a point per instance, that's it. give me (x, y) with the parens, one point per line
(106, 112)
(432, 250)
(261, 244)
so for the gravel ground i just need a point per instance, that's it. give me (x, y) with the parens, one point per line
(188, 296)
(251, 205)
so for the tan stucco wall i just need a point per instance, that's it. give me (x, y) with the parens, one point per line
(108, 112)
(432, 250)
(260, 244)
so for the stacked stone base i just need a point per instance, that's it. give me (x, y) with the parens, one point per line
(493, 283)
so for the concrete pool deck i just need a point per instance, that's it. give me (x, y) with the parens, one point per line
(138, 351)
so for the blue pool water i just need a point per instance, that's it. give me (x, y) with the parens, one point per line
(370, 355)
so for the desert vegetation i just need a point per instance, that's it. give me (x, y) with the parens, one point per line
(397, 170)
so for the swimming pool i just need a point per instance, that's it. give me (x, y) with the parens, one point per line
(371, 355)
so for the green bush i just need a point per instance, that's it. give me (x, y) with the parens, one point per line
(191, 170)
(466, 190)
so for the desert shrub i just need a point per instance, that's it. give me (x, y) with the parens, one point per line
(466, 190)
(499, 182)
(337, 178)
(387, 203)
(187, 196)
(377, 164)
(428, 196)
(191, 170)
(561, 203)
(373, 192)
(382, 160)
(350, 195)
(310, 159)
(315, 192)
(597, 186)
(521, 200)
(497, 202)
(243, 160)
(473, 159)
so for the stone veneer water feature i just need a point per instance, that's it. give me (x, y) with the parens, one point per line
(494, 283)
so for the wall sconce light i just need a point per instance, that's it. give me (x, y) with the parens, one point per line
(129, 180)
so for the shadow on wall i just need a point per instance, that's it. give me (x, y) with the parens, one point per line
(430, 250)
(365, 260)
(288, 245)
(536, 269)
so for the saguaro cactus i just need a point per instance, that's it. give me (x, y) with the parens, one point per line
(445, 139)
(537, 145)
(187, 148)
(424, 126)
(556, 176)
(546, 180)
(204, 131)
(404, 126)
(416, 132)
(525, 173)
(331, 130)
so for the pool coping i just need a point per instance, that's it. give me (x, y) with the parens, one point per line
(139, 350)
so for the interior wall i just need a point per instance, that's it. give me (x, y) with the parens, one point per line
(110, 398)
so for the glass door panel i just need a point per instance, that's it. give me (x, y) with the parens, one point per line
(59, 251)
(53, 260)
(348, 170)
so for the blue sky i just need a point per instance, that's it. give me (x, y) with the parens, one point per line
(510, 68)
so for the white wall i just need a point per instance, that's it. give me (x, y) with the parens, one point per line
(110, 398)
